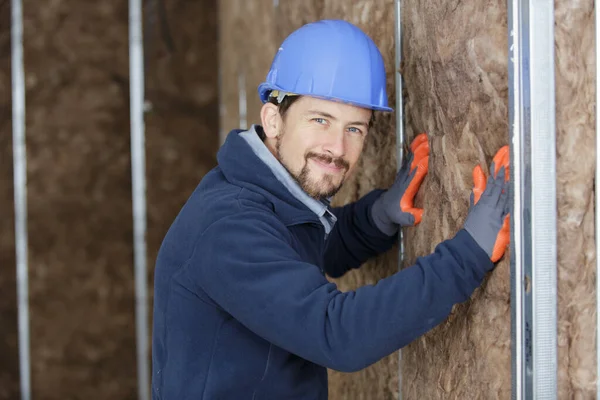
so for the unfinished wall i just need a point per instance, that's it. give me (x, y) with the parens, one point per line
(456, 89)
(249, 35)
(246, 42)
(455, 71)
(575, 122)
(79, 190)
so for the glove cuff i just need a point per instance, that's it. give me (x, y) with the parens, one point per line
(380, 218)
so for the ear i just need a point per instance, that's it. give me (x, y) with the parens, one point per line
(271, 120)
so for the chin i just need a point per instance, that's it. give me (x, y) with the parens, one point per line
(319, 184)
(323, 191)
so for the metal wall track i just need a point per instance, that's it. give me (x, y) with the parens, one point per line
(533, 216)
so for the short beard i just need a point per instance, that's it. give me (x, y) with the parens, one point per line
(315, 189)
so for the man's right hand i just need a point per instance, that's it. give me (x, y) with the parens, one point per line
(488, 218)
(395, 207)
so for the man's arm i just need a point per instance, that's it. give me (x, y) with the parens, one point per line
(368, 227)
(355, 238)
(246, 264)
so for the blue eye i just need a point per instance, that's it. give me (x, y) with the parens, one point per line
(355, 130)
(320, 120)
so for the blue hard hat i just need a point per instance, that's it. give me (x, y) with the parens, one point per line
(332, 60)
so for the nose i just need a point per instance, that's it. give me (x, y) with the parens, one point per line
(335, 143)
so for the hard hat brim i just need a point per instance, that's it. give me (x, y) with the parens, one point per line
(265, 88)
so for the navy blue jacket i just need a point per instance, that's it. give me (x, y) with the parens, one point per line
(242, 309)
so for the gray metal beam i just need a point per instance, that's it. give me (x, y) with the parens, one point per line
(533, 216)
(138, 175)
(20, 195)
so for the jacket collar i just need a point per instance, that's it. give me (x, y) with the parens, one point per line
(246, 162)
(320, 208)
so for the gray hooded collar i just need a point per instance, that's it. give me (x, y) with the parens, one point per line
(320, 208)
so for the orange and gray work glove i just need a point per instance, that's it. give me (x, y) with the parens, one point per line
(488, 218)
(395, 206)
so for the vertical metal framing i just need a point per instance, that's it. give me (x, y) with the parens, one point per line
(516, 265)
(20, 194)
(533, 217)
(139, 193)
(399, 144)
(138, 175)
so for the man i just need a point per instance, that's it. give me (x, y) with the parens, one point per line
(243, 308)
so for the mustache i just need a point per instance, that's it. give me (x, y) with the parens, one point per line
(338, 162)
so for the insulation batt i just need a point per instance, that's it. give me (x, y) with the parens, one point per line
(456, 62)
(455, 74)
(247, 45)
(575, 123)
(455, 71)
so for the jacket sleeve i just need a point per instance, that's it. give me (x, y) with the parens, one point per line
(355, 238)
(245, 263)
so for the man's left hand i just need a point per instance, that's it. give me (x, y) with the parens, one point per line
(395, 206)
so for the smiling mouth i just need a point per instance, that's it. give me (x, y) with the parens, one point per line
(328, 166)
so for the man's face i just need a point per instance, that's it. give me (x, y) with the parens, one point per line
(319, 143)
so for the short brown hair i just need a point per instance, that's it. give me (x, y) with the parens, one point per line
(285, 104)
(282, 107)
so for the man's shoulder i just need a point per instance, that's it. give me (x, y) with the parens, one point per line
(232, 198)
(229, 201)
(242, 216)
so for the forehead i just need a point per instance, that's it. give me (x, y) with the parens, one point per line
(341, 111)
